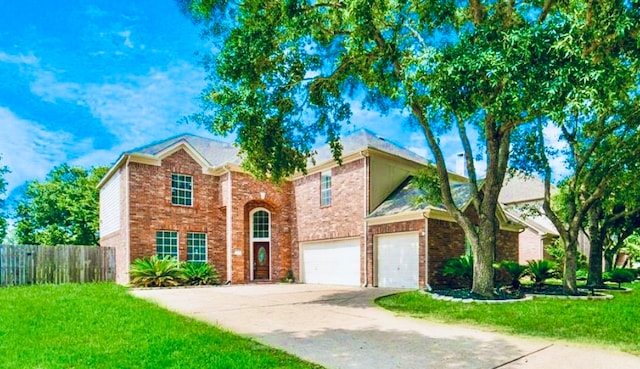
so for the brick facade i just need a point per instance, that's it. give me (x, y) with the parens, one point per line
(223, 205)
(151, 210)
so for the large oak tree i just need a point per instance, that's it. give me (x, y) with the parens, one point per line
(282, 72)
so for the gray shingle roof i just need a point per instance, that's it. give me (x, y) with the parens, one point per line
(407, 198)
(363, 139)
(216, 153)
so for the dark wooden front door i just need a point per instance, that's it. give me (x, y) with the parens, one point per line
(261, 260)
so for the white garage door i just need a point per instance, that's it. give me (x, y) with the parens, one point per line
(397, 260)
(331, 262)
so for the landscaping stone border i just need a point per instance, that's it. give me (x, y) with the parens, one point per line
(436, 296)
(528, 297)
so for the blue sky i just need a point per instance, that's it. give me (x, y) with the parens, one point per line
(84, 81)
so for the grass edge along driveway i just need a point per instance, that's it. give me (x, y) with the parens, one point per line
(609, 323)
(103, 326)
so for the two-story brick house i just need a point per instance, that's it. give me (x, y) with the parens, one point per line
(349, 224)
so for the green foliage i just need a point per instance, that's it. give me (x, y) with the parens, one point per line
(612, 323)
(541, 270)
(620, 275)
(102, 326)
(510, 272)
(200, 274)
(286, 71)
(62, 210)
(459, 271)
(155, 272)
(3, 189)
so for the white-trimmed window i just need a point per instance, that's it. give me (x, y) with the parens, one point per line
(197, 247)
(260, 224)
(167, 244)
(325, 188)
(181, 189)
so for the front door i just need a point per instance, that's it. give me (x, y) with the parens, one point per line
(261, 260)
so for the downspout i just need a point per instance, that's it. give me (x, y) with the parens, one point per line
(229, 226)
(426, 252)
(127, 230)
(366, 213)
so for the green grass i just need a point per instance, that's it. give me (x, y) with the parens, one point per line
(613, 323)
(102, 326)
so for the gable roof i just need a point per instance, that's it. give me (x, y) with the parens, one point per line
(406, 198)
(215, 153)
(364, 139)
(535, 220)
(521, 188)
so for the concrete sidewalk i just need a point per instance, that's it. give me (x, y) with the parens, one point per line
(340, 327)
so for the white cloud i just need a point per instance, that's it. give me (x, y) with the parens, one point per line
(136, 108)
(29, 59)
(127, 38)
(30, 150)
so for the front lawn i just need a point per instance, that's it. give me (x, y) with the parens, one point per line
(612, 323)
(102, 326)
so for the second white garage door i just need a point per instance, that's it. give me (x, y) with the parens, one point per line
(397, 260)
(331, 262)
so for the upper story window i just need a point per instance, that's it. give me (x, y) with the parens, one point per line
(260, 222)
(325, 189)
(181, 189)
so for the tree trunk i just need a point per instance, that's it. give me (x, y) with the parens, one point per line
(484, 256)
(595, 251)
(570, 262)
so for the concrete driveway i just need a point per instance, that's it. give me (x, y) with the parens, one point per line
(340, 327)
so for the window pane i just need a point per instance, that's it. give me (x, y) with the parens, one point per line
(325, 189)
(260, 224)
(181, 189)
(196, 247)
(167, 244)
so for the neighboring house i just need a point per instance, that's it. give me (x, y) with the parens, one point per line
(522, 198)
(348, 224)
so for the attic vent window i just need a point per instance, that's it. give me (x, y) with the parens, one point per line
(181, 189)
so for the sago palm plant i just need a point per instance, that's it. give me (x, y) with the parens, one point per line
(200, 274)
(155, 272)
(459, 270)
(541, 270)
(512, 271)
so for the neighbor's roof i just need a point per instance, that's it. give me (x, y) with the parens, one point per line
(363, 139)
(532, 216)
(408, 197)
(216, 153)
(521, 188)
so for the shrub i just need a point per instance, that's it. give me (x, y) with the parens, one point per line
(620, 276)
(511, 272)
(459, 271)
(541, 270)
(155, 272)
(200, 274)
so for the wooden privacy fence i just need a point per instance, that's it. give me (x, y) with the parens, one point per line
(56, 264)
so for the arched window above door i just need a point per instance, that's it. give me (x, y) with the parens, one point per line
(261, 225)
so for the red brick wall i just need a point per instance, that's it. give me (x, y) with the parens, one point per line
(407, 226)
(344, 217)
(446, 240)
(246, 192)
(151, 209)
